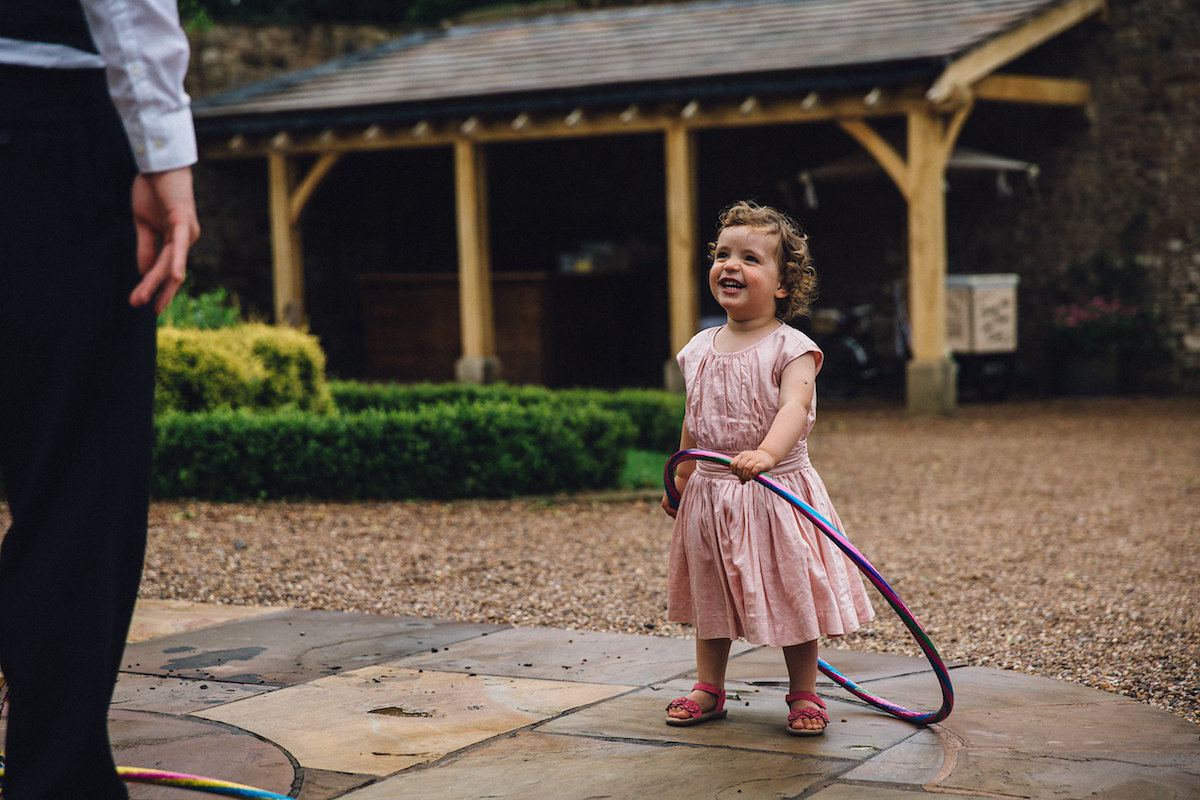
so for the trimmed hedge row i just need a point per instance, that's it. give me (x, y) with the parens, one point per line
(448, 450)
(656, 415)
(244, 366)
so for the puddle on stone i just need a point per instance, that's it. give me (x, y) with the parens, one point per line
(396, 711)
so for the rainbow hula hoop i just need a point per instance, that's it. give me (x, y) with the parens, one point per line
(195, 782)
(872, 574)
(183, 781)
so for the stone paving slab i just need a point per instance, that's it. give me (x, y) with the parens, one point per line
(174, 743)
(845, 791)
(154, 619)
(563, 654)
(290, 647)
(1026, 736)
(382, 719)
(539, 766)
(177, 695)
(184, 744)
(1114, 776)
(320, 784)
(916, 761)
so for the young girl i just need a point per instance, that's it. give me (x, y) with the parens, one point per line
(744, 563)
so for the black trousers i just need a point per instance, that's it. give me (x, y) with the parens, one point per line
(76, 404)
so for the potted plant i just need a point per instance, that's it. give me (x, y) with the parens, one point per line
(1104, 333)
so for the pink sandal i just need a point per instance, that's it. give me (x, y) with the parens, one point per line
(806, 712)
(692, 707)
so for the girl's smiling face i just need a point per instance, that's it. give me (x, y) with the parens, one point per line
(746, 276)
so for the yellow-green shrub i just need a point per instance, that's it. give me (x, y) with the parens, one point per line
(244, 366)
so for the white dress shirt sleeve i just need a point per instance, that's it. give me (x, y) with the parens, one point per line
(146, 56)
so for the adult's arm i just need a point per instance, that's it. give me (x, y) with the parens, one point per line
(145, 53)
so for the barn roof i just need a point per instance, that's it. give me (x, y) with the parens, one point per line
(625, 55)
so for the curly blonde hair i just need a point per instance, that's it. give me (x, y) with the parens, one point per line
(797, 273)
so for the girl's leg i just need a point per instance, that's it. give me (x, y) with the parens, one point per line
(801, 662)
(712, 657)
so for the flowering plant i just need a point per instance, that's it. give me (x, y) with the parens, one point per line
(1098, 325)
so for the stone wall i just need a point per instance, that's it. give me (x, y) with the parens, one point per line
(228, 56)
(1122, 178)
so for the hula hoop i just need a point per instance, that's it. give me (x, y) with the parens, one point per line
(906, 616)
(183, 781)
(196, 783)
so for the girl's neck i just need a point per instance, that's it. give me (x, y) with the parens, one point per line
(740, 334)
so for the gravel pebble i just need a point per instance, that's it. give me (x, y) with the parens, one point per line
(1055, 537)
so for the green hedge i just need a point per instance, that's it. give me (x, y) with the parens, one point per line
(446, 450)
(656, 415)
(244, 366)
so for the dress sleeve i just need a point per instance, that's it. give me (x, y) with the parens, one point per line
(793, 345)
(689, 357)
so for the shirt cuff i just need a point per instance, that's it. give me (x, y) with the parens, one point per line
(168, 141)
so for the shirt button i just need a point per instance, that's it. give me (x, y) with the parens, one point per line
(141, 149)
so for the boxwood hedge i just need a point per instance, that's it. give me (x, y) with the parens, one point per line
(656, 415)
(441, 450)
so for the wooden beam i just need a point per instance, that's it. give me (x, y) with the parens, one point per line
(1034, 90)
(683, 287)
(307, 186)
(474, 267)
(287, 265)
(881, 151)
(595, 122)
(952, 128)
(982, 61)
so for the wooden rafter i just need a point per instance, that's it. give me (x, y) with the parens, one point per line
(1034, 90)
(303, 192)
(529, 126)
(961, 75)
(879, 148)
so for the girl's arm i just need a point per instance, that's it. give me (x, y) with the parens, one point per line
(683, 471)
(795, 401)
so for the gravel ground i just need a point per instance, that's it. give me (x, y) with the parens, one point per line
(1055, 537)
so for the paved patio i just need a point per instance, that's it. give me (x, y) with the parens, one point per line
(325, 705)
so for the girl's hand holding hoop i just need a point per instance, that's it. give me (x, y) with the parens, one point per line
(748, 464)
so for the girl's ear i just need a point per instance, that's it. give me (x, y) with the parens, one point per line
(781, 291)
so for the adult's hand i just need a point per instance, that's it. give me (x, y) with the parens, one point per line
(164, 214)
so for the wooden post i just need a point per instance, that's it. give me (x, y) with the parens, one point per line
(682, 242)
(286, 247)
(478, 363)
(931, 384)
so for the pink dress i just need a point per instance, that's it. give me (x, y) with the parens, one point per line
(745, 563)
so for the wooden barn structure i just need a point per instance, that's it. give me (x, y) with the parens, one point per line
(665, 70)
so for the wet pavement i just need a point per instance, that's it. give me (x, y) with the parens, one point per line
(320, 705)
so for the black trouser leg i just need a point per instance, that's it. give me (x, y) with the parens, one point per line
(76, 395)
